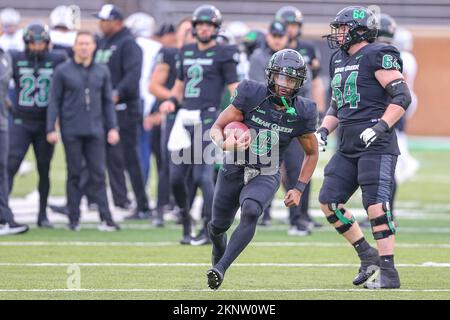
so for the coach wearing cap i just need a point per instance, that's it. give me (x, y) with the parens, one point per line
(119, 50)
(277, 39)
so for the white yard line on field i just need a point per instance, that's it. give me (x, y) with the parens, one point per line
(183, 264)
(216, 292)
(176, 244)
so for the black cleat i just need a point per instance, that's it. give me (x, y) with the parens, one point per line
(44, 223)
(201, 239)
(108, 226)
(140, 215)
(74, 226)
(215, 278)
(59, 209)
(186, 240)
(158, 222)
(125, 205)
(370, 264)
(384, 279)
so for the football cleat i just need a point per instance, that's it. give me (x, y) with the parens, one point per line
(13, 227)
(370, 264)
(215, 278)
(384, 279)
(108, 226)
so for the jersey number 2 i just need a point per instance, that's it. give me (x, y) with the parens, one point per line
(195, 73)
(350, 95)
(29, 83)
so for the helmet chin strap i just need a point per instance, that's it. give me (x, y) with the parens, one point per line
(289, 110)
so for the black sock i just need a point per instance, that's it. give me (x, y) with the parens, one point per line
(361, 246)
(387, 261)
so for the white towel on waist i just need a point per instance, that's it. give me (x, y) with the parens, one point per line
(179, 137)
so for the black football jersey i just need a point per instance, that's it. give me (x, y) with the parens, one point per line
(33, 78)
(359, 98)
(272, 130)
(205, 74)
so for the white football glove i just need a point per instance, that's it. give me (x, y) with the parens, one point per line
(368, 136)
(321, 136)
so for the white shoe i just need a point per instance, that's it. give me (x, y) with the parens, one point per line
(298, 231)
(108, 227)
(10, 229)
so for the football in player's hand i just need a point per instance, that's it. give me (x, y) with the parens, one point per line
(237, 129)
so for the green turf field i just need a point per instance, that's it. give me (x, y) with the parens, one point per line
(141, 262)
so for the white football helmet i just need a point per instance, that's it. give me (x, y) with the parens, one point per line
(403, 39)
(9, 16)
(66, 16)
(238, 30)
(141, 24)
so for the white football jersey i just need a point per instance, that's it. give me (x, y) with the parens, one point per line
(150, 49)
(14, 42)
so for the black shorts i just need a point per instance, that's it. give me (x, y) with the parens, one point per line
(230, 192)
(374, 173)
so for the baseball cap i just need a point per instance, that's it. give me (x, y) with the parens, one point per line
(277, 28)
(109, 12)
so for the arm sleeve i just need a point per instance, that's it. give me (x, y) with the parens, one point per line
(109, 113)
(132, 66)
(229, 66)
(56, 97)
(315, 62)
(311, 120)
(239, 98)
(387, 58)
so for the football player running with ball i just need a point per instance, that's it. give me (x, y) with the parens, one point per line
(369, 95)
(250, 175)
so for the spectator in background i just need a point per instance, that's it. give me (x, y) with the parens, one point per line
(141, 26)
(119, 50)
(166, 35)
(7, 224)
(300, 220)
(11, 38)
(276, 40)
(81, 100)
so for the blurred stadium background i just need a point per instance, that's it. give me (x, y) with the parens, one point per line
(123, 261)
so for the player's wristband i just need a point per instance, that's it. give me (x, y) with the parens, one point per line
(381, 127)
(300, 186)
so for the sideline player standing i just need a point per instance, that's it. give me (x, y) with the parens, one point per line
(277, 115)
(369, 97)
(300, 220)
(205, 68)
(32, 73)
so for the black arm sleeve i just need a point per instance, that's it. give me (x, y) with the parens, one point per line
(109, 113)
(56, 97)
(229, 66)
(132, 66)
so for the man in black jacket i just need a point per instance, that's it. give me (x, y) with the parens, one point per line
(81, 99)
(119, 50)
